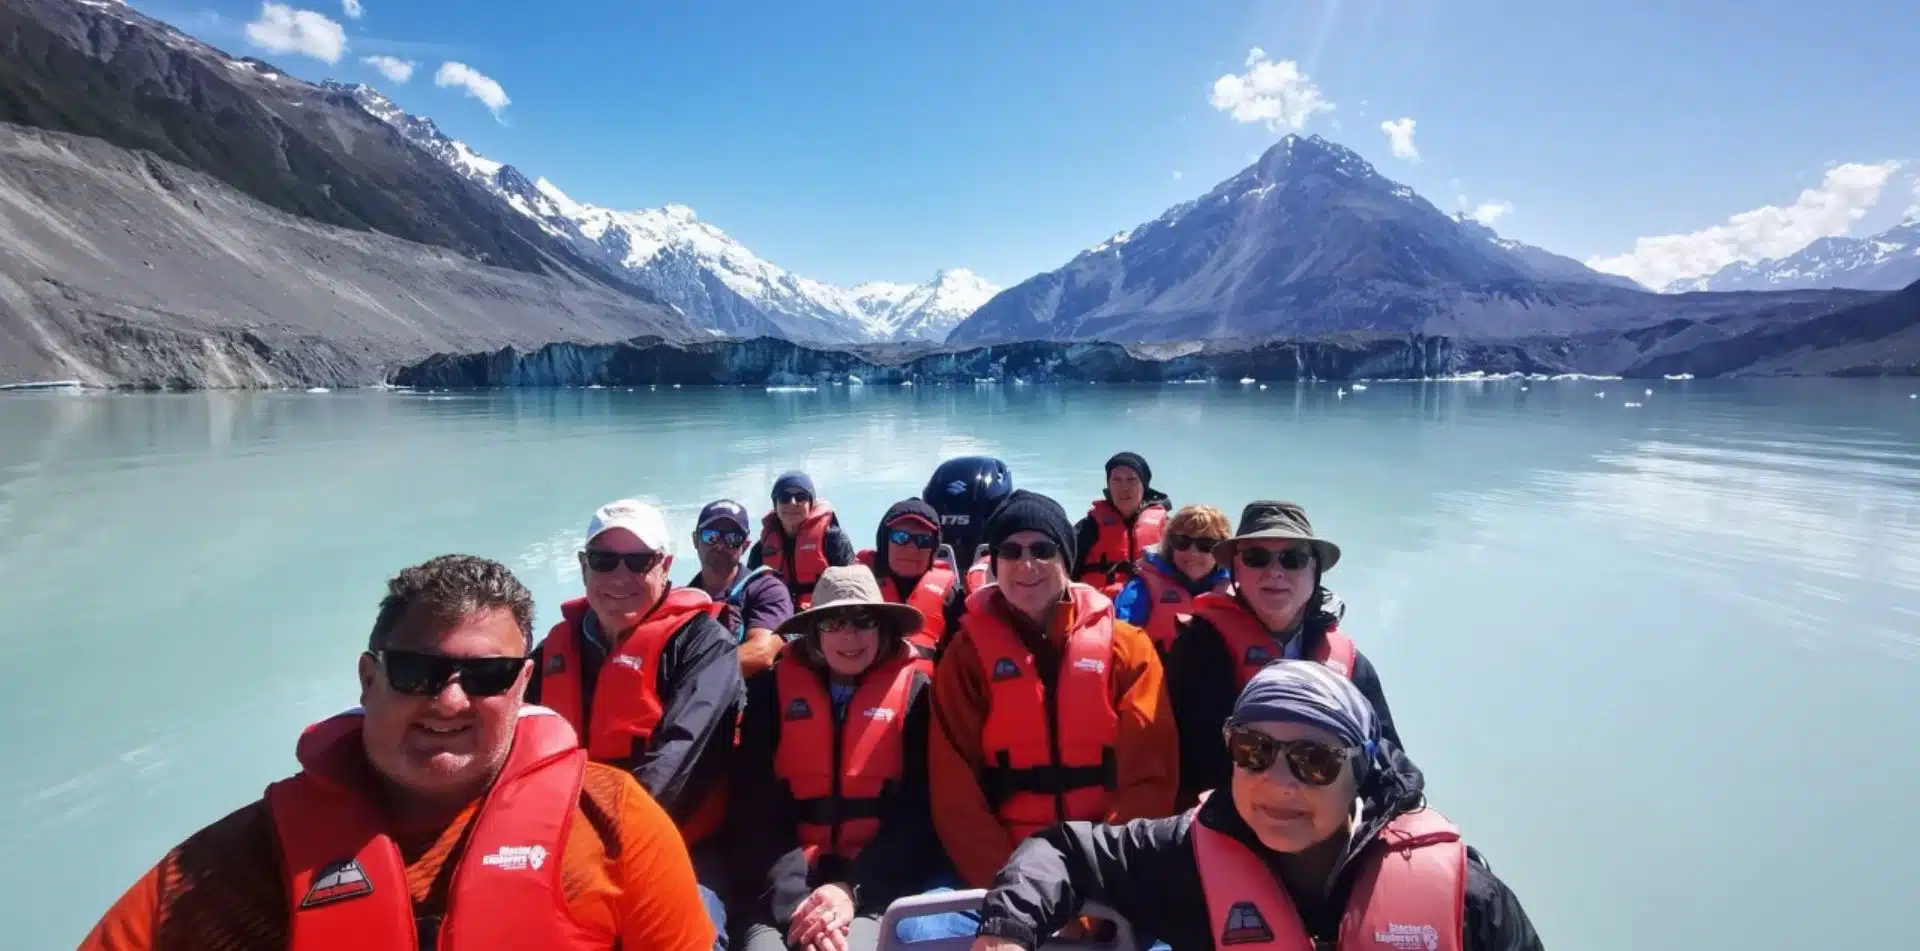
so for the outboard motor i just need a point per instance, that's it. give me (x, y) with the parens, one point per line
(965, 491)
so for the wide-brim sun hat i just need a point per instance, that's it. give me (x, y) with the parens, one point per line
(852, 587)
(1277, 521)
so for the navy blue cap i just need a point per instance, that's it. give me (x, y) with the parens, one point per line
(724, 510)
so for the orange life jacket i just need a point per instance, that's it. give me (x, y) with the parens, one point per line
(1409, 894)
(1047, 762)
(1247, 639)
(1119, 544)
(809, 551)
(626, 695)
(929, 597)
(347, 886)
(1167, 600)
(840, 775)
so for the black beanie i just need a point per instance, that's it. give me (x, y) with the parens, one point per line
(1131, 460)
(1025, 511)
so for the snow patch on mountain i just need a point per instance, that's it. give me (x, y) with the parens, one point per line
(715, 280)
(1886, 261)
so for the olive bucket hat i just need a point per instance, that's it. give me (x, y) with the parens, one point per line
(1280, 521)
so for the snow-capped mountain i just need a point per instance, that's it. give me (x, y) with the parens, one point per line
(1309, 239)
(715, 280)
(1886, 261)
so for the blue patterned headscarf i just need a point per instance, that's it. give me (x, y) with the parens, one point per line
(1305, 691)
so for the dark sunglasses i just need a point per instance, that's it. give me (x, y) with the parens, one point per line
(859, 620)
(793, 499)
(1310, 761)
(425, 675)
(714, 536)
(638, 562)
(1292, 559)
(1184, 542)
(901, 536)
(1013, 551)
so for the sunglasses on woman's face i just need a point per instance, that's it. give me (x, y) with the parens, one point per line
(638, 562)
(1292, 559)
(921, 540)
(1310, 761)
(1184, 542)
(418, 674)
(860, 621)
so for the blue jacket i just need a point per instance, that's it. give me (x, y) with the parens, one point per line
(1132, 604)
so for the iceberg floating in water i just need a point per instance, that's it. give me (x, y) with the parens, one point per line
(318, 389)
(793, 389)
(1679, 376)
(1246, 380)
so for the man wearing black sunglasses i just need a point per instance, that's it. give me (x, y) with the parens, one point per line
(756, 600)
(441, 775)
(649, 679)
(1279, 609)
(915, 569)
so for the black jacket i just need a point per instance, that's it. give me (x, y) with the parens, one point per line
(701, 695)
(771, 873)
(1145, 871)
(1202, 685)
(1086, 532)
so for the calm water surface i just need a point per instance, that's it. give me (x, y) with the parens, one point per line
(1660, 662)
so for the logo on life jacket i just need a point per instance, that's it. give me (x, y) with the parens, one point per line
(1245, 925)
(628, 660)
(1258, 656)
(1091, 664)
(883, 714)
(514, 858)
(1005, 669)
(798, 710)
(340, 880)
(1409, 937)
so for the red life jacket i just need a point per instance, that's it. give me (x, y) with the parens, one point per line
(1047, 762)
(980, 573)
(1247, 639)
(1409, 894)
(809, 551)
(929, 596)
(840, 774)
(626, 695)
(1167, 600)
(347, 886)
(1119, 544)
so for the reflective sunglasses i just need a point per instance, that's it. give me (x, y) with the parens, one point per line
(425, 675)
(1292, 559)
(1014, 551)
(859, 620)
(1184, 542)
(793, 498)
(715, 536)
(901, 536)
(1310, 761)
(638, 562)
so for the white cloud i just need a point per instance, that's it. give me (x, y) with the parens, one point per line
(283, 29)
(477, 84)
(1488, 212)
(398, 70)
(1913, 210)
(353, 9)
(1770, 231)
(1400, 135)
(1278, 94)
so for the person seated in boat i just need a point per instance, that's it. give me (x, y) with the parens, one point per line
(801, 537)
(1045, 708)
(831, 821)
(914, 568)
(1121, 526)
(965, 490)
(755, 601)
(442, 812)
(1279, 608)
(1319, 838)
(1173, 572)
(649, 679)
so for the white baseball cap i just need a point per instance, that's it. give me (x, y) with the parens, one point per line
(635, 516)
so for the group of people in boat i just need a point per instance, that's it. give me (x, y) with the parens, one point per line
(1149, 709)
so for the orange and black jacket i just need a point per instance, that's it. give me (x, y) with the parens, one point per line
(771, 871)
(701, 691)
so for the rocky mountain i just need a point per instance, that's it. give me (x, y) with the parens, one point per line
(1543, 264)
(715, 280)
(1308, 239)
(1885, 261)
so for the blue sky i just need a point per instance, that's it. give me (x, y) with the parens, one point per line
(881, 141)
